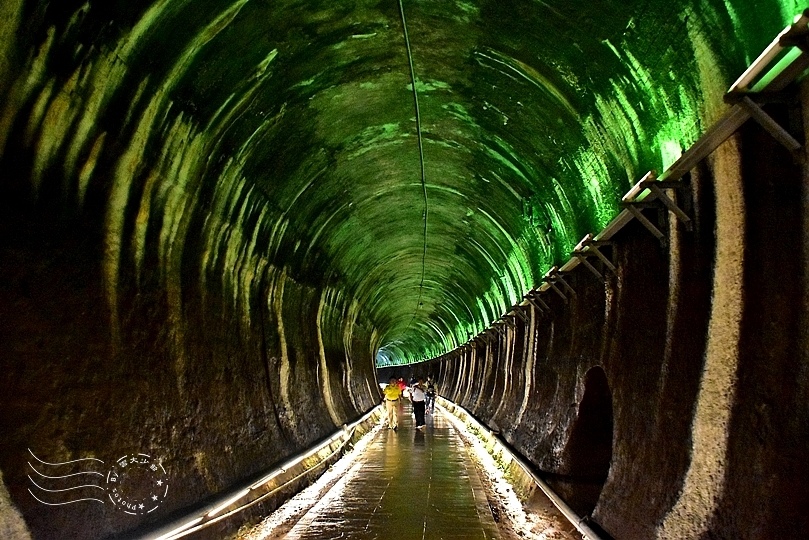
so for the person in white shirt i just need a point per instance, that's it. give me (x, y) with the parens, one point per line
(417, 396)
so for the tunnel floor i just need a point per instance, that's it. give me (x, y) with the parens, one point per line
(410, 484)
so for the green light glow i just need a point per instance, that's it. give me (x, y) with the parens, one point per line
(670, 152)
(278, 140)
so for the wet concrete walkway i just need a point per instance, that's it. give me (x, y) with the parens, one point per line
(408, 485)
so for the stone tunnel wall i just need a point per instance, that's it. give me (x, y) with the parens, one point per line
(216, 395)
(696, 426)
(141, 309)
(172, 337)
(217, 390)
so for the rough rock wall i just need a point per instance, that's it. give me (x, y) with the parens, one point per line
(136, 318)
(670, 402)
(216, 396)
(141, 310)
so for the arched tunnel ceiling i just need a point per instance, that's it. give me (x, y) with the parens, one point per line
(282, 134)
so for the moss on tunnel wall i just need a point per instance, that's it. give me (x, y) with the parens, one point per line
(293, 128)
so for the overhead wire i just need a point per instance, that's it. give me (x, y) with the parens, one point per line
(420, 140)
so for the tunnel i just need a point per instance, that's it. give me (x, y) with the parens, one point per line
(224, 222)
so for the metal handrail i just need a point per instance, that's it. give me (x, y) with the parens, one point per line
(577, 521)
(211, 513)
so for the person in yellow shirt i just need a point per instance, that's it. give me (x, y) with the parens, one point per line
(392, 394)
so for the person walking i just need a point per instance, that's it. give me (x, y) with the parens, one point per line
(417, 396)
(430, 397)
(392, 392)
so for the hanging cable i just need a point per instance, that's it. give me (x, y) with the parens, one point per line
(421, 159)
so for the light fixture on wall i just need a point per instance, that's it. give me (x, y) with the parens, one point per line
(649, 192)
(518, 311)
(589, 247)
(552, 277)
(535, 300)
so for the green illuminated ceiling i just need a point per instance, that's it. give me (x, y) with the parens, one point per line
(293, 124)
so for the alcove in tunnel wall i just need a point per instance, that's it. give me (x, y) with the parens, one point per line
(702, 355)
(589, 448)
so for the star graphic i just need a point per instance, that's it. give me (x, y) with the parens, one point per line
(154, 497)
(159, 482)
(140, 506)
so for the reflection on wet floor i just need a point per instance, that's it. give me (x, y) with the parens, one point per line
(408, 485)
